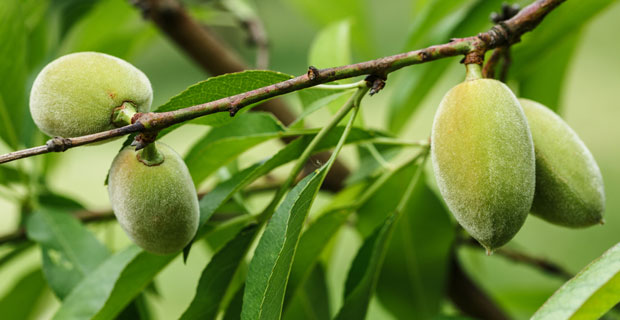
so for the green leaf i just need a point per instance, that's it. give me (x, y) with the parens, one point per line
(216, 277)
(373, 213)
(19, 301)
(270, 266)
(69, 251)
(223, 144)
(545, 82)
(563, 22)
(544, 56)
(311, 245)
(8, 175)
(312, 302)
(60, 202)
(14, 70)
(413, 277)
(366, 267)
(233, 310)
(591, 293)
(71, 11)
(16, 251)
(415, 83)
(364, 272)
(111, 287)
(218, 88)
(108, 26)
(331, 46)
(138, 309)
(369, 164)
(224, 190)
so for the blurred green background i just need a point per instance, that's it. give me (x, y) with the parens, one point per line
(588, 102)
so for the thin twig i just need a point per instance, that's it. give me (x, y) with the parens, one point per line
(489, 66)
(541, 264)
(473, 47)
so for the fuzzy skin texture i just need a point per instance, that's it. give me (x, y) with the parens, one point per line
(569, 185)
(483, 159)
(76, 94)
(157, 206)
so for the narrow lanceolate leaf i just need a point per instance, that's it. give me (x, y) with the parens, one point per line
(270, 267)
(216, 277)
(311, 245)
(224, 191)
(364, 272)
(18, 302)
(13, 68)
(113, 285)
(367, 265)
(317, 236)
(590, 294)
(312, 301)
(233, 310)
(69, 251)
(217, 88)
(412, 280)
(222, 144)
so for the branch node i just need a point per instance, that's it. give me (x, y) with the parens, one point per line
(376, 83)
(58, 144)
(474, 57)
(313, 73)
(423, 55)
(233, 109)
(144, 139)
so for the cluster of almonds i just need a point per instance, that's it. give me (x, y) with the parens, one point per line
(151, 190)
(496, 158)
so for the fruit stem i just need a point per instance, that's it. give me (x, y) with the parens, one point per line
(150, 156)
(122, 115)
(474, 72)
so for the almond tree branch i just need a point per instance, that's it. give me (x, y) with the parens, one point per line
(473, 48)
(215, 58)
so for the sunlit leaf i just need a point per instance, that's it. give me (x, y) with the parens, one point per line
(18, 301)
(217, 88)
(364, 273)
(113, 285)
(273, 258)
(69, 251)
(591, 293)
(223, 144)
(216, 277)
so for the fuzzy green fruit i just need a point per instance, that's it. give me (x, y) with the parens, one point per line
(569, 185)
(156, 205)
(483, 159)
(76, 94)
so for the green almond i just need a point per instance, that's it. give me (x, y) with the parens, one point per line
(483, 159)
(569, 185)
